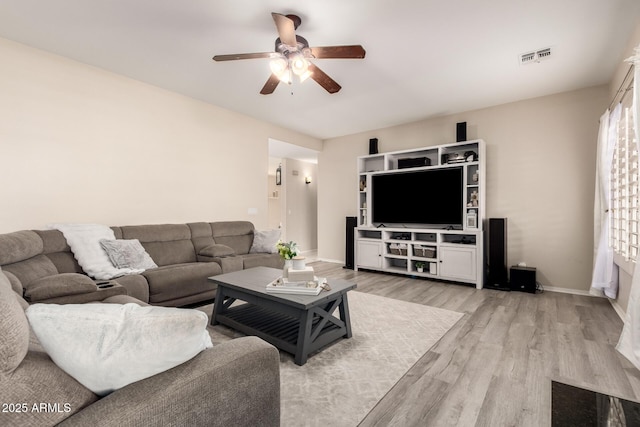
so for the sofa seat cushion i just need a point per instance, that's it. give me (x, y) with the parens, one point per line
(59, 285)
(262, 260)
(173, 282)
(108, 346)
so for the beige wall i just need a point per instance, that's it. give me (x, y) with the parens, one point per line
(540, 175)
(80, 144)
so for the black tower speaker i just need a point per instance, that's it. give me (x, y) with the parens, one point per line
(349, 247)
(373, 146)
(497, 254)
(461, 131)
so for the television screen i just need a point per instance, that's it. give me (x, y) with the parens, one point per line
(426, 197)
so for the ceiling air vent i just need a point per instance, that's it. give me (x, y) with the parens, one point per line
(526, 58)
(535, 56)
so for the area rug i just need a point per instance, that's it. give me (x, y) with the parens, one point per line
(339, 385)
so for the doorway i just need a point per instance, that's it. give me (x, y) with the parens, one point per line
(293, 200)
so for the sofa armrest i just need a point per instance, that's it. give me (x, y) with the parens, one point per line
(101, 292)
(217, 251)
(232, 384)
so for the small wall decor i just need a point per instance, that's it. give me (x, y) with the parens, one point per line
(279, 175)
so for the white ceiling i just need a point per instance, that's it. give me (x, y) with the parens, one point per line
(424, 57)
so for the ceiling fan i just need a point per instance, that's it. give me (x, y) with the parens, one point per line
(292, 55)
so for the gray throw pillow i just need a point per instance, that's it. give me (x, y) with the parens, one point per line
(265, 241)
(127, 254)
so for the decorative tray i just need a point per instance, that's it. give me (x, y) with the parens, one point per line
(284, 286)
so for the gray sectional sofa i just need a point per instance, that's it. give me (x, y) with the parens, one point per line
(235, 383)
(186, 255)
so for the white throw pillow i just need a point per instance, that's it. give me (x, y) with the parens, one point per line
(265, 241)
(107, 346)
(127, 254)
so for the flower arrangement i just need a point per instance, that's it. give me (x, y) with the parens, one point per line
(287, 250)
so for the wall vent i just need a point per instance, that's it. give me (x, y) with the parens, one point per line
(535, 56)
(526, 58)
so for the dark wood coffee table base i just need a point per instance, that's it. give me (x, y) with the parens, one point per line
(299, 329)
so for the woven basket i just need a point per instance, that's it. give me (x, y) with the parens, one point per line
(398, 251)
(425, 252)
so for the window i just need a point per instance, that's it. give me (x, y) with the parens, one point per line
(624, 188)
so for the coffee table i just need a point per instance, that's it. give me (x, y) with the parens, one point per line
(297, 324)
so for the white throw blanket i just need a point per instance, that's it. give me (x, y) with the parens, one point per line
(84, 240)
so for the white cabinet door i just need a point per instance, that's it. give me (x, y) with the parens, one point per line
(369, 254)
(458, 263)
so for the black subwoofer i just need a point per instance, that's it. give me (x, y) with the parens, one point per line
(523, 279)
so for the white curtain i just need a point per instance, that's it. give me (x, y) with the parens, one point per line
(605, 272)
(629, 343)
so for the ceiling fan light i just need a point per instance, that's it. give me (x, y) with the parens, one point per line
(299, 65)
(278, 66)
(286, 77)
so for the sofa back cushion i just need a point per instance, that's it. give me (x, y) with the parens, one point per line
(167, 244)
(19, 246)
(55, 248)
(21, 254)
(201, 235)
(14, 328)
(236, 234)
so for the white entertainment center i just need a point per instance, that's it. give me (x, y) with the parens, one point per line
(445, 251)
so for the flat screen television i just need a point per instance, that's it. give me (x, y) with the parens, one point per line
(432, 197)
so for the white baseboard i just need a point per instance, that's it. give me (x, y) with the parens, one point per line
(613, 302)
(569, 291)
(336, 261)
(618, 309)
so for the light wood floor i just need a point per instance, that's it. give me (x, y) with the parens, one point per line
(494, 367)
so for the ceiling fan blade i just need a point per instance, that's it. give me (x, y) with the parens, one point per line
(323, 79)
(270, 85)
(353, 51)
(286, 29)
(236, 56)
